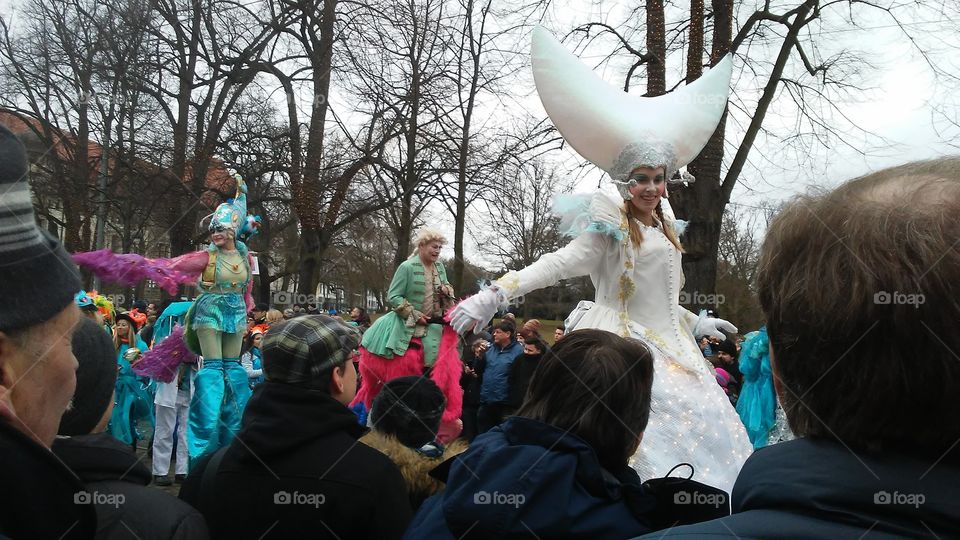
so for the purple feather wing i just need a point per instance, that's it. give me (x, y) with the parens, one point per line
(130, 269)
(163, 360)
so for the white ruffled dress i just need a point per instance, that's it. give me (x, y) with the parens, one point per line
(637, 295)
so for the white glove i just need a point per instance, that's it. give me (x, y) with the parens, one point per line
(711, 326)
(476, 311)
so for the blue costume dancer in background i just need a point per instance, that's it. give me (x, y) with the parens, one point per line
(132, 401)
(757, 406)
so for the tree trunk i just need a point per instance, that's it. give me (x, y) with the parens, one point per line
(459, 257)
(410, 167)
(307, 201)
(182, 219)
(657, 48)
(702, 203)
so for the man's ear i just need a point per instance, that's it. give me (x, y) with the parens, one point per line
(336, 381)
(777, 385)
(8, 350)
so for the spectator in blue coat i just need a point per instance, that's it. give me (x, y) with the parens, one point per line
(495, 378)
(559, 469)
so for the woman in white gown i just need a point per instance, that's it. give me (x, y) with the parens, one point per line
(636, 273)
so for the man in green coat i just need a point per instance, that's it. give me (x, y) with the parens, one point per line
(413, 338)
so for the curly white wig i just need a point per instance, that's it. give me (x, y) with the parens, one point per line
(426, 235)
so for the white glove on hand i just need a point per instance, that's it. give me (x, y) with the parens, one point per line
(710, 326)
(476, 311)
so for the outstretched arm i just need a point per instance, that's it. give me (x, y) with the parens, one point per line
(240, 200)
(579, 257)
(130, 268)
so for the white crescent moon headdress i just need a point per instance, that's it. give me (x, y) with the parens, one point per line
(619, 132)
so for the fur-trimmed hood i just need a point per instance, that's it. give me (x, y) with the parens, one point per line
(414, 466)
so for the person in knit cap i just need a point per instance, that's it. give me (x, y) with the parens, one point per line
(38, 283)
(296, 466)
(405, 419)
(116, 479)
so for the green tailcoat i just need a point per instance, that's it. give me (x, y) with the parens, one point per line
(390, 334)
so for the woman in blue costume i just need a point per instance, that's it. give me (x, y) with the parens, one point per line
(758, 407)
(131, 402)
(215, 323)
(251, 359)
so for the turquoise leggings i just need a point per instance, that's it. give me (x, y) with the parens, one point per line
(220, 394)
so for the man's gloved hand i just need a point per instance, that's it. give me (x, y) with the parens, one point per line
(476, 311)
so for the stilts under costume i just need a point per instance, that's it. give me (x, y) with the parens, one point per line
(637, 289)
(399, 345)
(215, 323)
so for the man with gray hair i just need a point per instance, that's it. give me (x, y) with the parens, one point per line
(38, 282)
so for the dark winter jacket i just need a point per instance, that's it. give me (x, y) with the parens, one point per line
(38, 493)
(525, 478)
(297, 470)
(471, 383)
(495, 379)
(414, 466)
(117, 483)
(821, 489)
(520, 374)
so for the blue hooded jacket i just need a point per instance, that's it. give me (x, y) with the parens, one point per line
(526, 478)
(495, 386)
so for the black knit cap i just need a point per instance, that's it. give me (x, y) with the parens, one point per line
(38, 279)
(727, 346)
(96, 378)
(410, 409)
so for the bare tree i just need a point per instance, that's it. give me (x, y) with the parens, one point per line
(793, 29)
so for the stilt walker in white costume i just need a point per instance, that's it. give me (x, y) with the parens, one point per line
(629, 248)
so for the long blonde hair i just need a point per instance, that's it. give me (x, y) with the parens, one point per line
(636, 234)
(131, 335)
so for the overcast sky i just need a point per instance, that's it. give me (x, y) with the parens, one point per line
(899, 108)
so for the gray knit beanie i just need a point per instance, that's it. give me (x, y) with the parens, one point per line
(38, 279)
